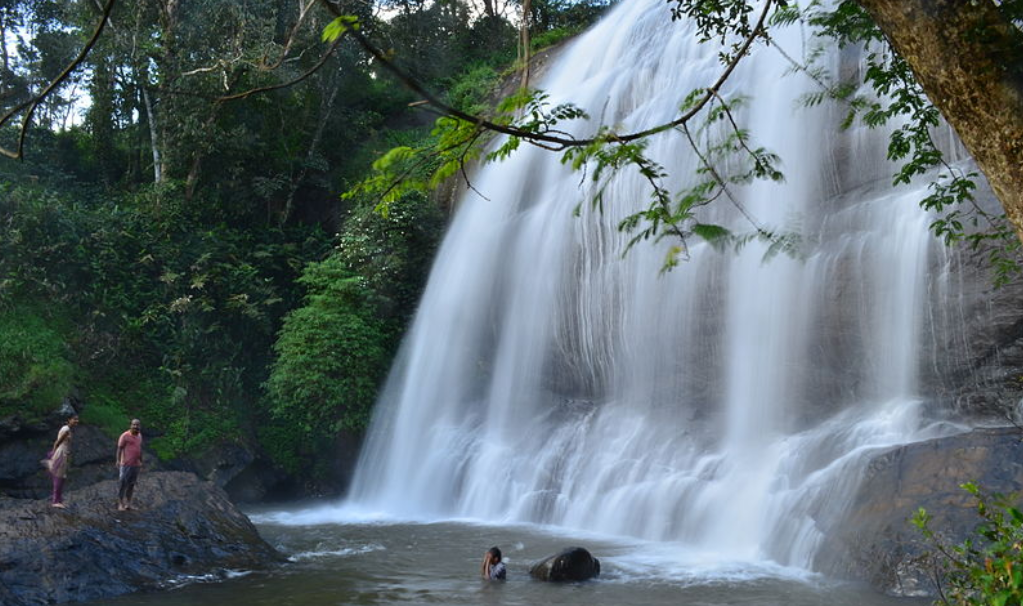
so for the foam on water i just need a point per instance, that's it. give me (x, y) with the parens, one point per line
(335, 553)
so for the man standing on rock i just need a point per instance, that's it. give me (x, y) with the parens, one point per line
(129, 461)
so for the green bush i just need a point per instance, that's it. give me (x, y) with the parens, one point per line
(331, 355)
(551, 37)
(474, 90)
(335, 350)
(986, 569)
(35, 373)
(105, 414)
(392, 254)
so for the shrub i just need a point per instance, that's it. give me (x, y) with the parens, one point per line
(331, 355)
(986, 569)
(34, 371)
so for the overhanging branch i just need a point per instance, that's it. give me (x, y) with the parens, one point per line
(555, 142)
(34, 102)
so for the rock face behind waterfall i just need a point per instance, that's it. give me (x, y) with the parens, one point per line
(570, 564)
(975, 340)
(875, 542)
(181, 526)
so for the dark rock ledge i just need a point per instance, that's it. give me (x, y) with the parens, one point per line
(875, 541)
(180, 526)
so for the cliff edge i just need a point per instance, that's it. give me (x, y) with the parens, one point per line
(180, 526)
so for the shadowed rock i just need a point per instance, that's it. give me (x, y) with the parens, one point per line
(571, 564)
(179, 526)
(875, 541)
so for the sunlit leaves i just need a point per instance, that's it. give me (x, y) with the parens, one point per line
(339, 26)
(454, 143)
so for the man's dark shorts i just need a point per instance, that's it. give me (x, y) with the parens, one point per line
(128, 476)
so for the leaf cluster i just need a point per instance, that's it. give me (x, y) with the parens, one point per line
(987, 568)
(675, 214)
(454, 143)
(721, 20)
(896, 101)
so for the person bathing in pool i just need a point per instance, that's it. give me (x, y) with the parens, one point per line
(493, 568)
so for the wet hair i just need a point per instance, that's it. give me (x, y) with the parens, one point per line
(73, 415)
(491, 557)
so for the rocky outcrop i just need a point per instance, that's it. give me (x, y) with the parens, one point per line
(876, 542)
(976, 339)
(248, 476)
(180, 526)
(570, 564)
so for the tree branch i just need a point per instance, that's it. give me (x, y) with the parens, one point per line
(303, 10)
(33, 103)
(264, 89)
(555, 143)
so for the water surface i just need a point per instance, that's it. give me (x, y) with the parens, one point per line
(394, 563)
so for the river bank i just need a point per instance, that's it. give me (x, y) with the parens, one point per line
(179, 527)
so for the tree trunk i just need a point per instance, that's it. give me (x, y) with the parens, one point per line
(5, 68)
(326, 108)
(968, 59)
(101, 117)
(154, 137)
(524, 41)
(199, 152)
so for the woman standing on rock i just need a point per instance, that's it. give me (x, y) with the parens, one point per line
(60, 460)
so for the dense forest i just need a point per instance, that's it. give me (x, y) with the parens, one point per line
(174, 244)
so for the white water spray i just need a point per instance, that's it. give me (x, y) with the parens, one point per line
(726, 405)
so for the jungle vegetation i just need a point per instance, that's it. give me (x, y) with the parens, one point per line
(173, 241)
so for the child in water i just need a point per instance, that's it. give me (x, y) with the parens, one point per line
(493, 568)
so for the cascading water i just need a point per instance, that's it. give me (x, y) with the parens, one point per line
(725, 405)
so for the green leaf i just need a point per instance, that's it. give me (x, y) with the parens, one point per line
(339, 26)
(716, 235)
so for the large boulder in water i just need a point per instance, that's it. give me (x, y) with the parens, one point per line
(180, 527)
(570, 564)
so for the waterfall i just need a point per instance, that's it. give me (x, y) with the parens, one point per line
(729, 404)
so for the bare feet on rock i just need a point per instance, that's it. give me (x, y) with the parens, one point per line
(59, 505)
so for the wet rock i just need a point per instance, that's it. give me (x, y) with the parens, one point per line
(223, 462)
(876, 542)
(181, 526)
(570, 564)
(976, 334)
(257, 482)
